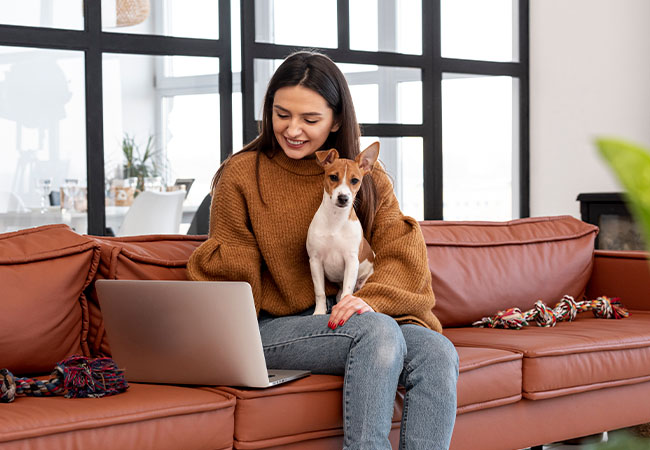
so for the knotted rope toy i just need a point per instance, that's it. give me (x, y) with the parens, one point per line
(565, 311)
(74, 377)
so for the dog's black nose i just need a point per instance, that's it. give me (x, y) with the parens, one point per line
(342, 199)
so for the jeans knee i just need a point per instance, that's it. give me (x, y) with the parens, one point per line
(431, 351)
(447, 356)
(384, 334)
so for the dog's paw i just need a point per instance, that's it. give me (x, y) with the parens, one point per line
(320, 310)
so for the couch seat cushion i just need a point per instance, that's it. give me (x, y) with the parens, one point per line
(305, 409)
(144, 417)
(572, 357)
(43, 310)
(488, 378)
(287, 414)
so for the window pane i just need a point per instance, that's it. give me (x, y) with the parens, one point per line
(307, 23)
(195, 19)
(192, 141)
(390, 26)
(178, 118)
(67, 14)
(186, 66)
(402, 159)
(380, 94)
(42, 136)
(479, 29)
(479, 153)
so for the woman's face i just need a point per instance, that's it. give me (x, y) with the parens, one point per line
(302, 121)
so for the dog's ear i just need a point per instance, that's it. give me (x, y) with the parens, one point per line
(327, 157)
(367, 158)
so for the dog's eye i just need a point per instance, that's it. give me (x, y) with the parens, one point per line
(334, 177)
(354, 180)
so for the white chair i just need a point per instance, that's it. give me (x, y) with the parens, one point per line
(154, 213)
(10, 202)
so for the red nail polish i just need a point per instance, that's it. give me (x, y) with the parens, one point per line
(359, 312)
(341, 323)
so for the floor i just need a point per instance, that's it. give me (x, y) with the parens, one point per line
(585, 446)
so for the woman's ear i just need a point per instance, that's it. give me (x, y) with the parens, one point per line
(336, 126)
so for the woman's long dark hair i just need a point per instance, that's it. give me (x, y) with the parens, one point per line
(320, 74)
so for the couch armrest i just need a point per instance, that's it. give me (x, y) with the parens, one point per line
(624, 274)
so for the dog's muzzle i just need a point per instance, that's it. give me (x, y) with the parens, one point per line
(342, 200)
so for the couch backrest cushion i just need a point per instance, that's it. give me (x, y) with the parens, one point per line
(43, 310)
(150, 257)
(480, 268)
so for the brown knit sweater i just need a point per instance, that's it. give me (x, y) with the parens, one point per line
(264, 244)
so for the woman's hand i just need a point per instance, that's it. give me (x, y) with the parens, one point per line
(345, 308)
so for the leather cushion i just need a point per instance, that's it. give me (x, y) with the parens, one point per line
(488, 378)
(621, 274)
(145, 416)
(148, 257)
(309, 408)
(479, 268)
(285, 414)
(43, 310)
(583, 355)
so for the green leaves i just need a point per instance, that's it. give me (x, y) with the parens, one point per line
(631, 163)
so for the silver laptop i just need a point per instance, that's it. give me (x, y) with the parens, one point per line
(186, 332)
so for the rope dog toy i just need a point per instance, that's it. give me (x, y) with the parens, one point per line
(74, 377)
(565, 311)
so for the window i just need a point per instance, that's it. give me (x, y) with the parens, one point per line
(152, 77)
(442, 84)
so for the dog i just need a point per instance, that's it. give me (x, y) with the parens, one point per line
(335, 243)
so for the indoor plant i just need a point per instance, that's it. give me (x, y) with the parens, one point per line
(140, 165)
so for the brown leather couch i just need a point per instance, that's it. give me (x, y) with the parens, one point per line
(517, 388)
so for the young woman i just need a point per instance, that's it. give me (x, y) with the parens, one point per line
(263, 200)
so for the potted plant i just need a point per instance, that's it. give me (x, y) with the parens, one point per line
(140, 165)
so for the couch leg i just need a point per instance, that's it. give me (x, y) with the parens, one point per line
(537, 447)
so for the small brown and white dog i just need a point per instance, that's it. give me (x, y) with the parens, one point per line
(335, 243)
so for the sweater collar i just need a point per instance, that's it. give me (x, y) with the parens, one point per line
(305, 166)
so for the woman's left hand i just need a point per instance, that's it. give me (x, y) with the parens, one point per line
(345, 308)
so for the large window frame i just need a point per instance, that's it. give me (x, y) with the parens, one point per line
(94, 42)
(432, 66)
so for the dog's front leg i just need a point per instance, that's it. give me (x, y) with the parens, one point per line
(318, 277)
(350, 274)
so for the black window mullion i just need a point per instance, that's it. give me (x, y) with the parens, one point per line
(524, 110)
(277, 51)
(225, 81)
(50, 38)
(144, 44)
(467, 66)
(432, 110)
(94, 120)
(343, 24)
(248, 55)
(392, 129)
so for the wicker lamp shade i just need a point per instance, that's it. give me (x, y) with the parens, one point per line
(131, 12)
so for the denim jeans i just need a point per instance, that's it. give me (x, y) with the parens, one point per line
(374, 354)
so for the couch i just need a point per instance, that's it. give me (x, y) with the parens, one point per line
(517, 388)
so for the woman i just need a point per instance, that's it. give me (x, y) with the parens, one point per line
(264, 198)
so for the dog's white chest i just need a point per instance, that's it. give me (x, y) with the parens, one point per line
(332, 247)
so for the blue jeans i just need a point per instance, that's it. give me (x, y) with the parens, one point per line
(374, 354)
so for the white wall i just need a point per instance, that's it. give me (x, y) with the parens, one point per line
(589, 76)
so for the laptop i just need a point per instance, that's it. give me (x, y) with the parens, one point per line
(186, 332)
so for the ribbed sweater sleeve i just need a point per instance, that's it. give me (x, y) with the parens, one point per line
(231, 251)
(401, 283)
